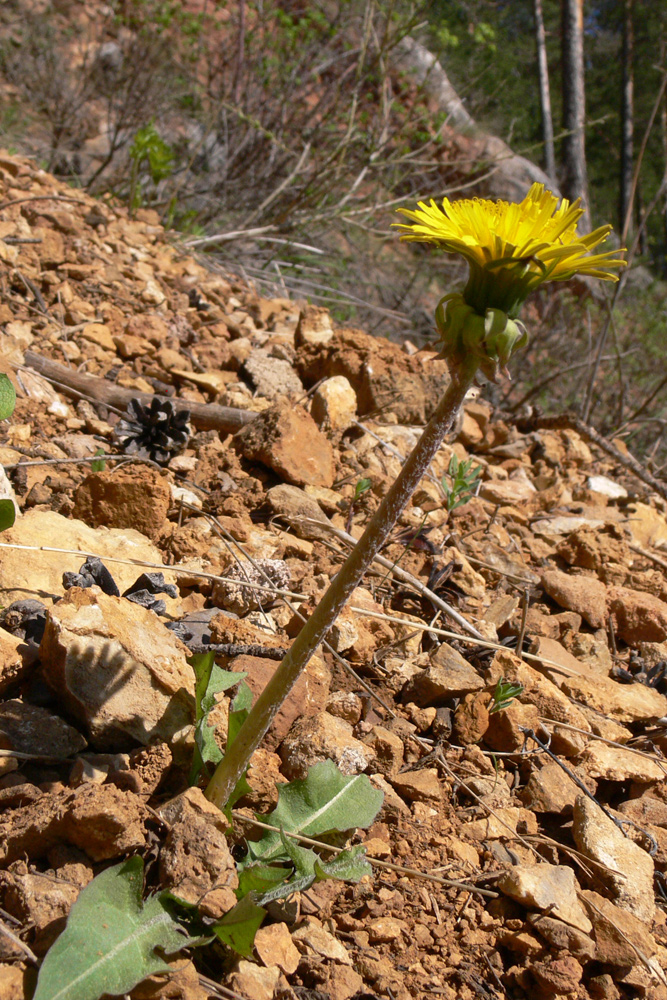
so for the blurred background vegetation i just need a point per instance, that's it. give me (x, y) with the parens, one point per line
(277, 137)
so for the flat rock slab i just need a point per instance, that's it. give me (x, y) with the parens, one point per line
(287, 440)
(34, 574)
(547, 887)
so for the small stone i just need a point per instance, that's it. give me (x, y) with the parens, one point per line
(638, 616)
(550, 790)
(507, 491)
(271, 377)
(388, 748)
(419, 786)
(560, 975)
(323, 737)
(255, 982)
(344, 982)
(287, 440)
(334, 406)
(617, 932)
(607, 487)
(583, 594)
(195, 856)
(314, 326)
(385, 929)
(345, 705)
(629, 870)
(231, 593)
(563, 936)
(506, 729)
(14, 665)
(136, 497)
(616, 764)
(619, 702)
(302, 512)
(311, 934)
(11, 980)
(508, 820)
(448, 675)
(552, 888)
(98, 333)
(274, 946)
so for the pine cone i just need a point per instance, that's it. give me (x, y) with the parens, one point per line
(157, 432)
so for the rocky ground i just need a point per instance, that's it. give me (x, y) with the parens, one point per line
(550, 814)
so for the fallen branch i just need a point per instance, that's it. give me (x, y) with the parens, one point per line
(205, 416)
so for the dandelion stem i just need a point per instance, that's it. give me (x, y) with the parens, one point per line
(346, 580)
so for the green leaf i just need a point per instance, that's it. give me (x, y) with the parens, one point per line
(260, 879)
(239, 925)
(326, 801)
(108, 945)
(361, 487)
(349, 866)
(238, 713)
(7, 397)
(210, 681)
(7, 514)
(98, 466)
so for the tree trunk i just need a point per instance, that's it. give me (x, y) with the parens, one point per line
(549, 158)
(627, 124)
(575, 181)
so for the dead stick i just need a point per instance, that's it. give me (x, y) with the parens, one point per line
(205, 416)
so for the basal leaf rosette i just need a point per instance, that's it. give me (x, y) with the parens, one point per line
(511, 249)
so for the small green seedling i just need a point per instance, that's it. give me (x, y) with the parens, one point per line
(7, 404)
(362, 487)
(504, 694)
(99, 466)
(464, 481)
(148, 149)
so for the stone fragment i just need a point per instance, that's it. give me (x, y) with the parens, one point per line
(311, 934)
(308, 697)
(301, 511)
(506, 730)
(14, 664)
(583, 594)
(388, 749)
(182, 984)
(346, 705)
(550, 888)
(616, 931)
(385, 929)
(638, 616)
(419, 786)
(255, 982)
(38, 902)
(240, 599)
(471, 719)
(562, 936)
(38, 573)
(334, 406)
(619, 702)
(344, 982)
(617, 764)
(117, 669)
(648, 526)
(607, 487)
(507, 491)
(504, 821)
(550, 790)
(274, 946)
(11, 980)
(271, 377)
(314, 326)
(323, 737)
(134, 497)
(195, 856)
(100, 819)
(629, 870)
(31, 729)
(448, 675)
(557, 975)
(287, 440)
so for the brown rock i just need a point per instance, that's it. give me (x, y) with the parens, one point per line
(11, 982)
(560, 975)
(388, 748)
(117, 669)
(583, 594)
(13, 664)
(638, 617)
(629, 869)
(100, 819)
(255, 982)
(287, 440)
(182, 984)
(323, 737)
(308, 697)
(506, 728)
(274, 946)
(448, 675)
(550, 790)
(552, 888)
(312, 935)
(620, 702)
(195, 856)
(40, 902)
(563, 936)
(617, 932)
(617, 764)
(471, 719)
(134, 497)
(299, 510)
(314, 326)
(343, 982)
(419, 786)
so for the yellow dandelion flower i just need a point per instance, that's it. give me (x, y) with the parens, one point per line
(512, 248)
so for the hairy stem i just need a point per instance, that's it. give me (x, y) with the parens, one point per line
(261, 716)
